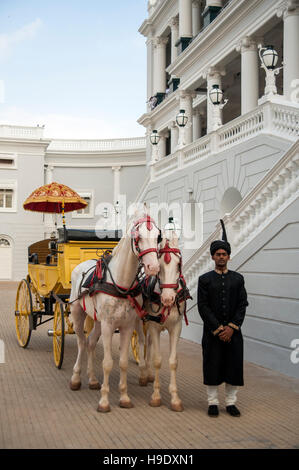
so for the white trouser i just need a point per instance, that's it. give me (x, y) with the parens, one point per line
(230, 394)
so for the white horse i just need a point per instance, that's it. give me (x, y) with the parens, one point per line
(138, 245)
(171, 313)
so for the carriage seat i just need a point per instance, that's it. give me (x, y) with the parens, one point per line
(88, 235)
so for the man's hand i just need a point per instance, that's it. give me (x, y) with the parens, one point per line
(226, 334)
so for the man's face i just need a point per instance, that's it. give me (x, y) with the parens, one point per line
(221, 258)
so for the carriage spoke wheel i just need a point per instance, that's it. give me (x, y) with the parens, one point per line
(23, 312)
(58, 335)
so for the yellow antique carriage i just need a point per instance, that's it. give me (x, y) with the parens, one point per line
(46, 289)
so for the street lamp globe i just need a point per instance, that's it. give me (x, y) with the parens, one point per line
(269, 57)
(181, 118)
(172, 226)
(216, 94)
(155, 137)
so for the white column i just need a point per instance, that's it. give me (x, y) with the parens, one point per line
(150, 65)
(197, 124)
(249, 74)
(174, 26)
(214, 3)
(289, 11)
(185, 18)
(214, 77)
(196, 20)
(186, 98)
(162, 146)
(116, 183)
(160, 65)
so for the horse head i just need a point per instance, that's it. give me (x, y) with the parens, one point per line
(145, 237)
(170, 269)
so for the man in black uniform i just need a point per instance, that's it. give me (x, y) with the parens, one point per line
(222, 302)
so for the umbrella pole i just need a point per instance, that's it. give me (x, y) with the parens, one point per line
(63, 222)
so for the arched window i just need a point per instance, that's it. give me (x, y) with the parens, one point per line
(231, 198)
(4, 242)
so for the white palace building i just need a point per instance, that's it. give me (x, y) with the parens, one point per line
(221, 141)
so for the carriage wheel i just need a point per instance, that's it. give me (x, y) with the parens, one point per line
(135, 344)
(22, 313)
(58, 334)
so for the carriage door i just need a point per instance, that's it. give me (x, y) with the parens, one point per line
(5, 258)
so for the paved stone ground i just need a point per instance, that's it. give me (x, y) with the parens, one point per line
(38, 410)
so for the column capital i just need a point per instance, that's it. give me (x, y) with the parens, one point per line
(160, 41)
(116, 168)
(174, 22)
(186, 94)
(213, 72)
(247, 43)
(287, 8)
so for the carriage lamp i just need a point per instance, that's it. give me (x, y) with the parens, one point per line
(181, 118)
(269, 58)
(173, 226)
(155, 137)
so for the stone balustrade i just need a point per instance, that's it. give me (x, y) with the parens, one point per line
(263, 204)
(97, 145)
(21, 132)
(269, 118)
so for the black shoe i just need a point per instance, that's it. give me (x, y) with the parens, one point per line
(213, 410)
(233, 410)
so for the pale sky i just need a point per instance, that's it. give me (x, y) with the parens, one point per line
(76, 66)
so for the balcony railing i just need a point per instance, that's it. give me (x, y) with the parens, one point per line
(21, 132)
(97, 145)
(280, 120)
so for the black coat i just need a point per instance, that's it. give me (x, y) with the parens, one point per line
(222, 299)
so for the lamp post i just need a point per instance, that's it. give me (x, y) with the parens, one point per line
(216, 97)
(269, 58)
(181, 120)
(171, 227)
(154, 138)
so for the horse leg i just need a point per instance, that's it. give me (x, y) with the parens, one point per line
(155, 336)
(78, 317)
(92, 340)
(149, 357)
(143, 373)
(107, 367)
(125, 338)
(174, 334)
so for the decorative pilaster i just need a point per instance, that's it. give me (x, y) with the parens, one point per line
(289, 11)
(249, 74)
(196, 18)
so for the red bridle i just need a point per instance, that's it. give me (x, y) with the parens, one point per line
(136, 237)
(167, 250)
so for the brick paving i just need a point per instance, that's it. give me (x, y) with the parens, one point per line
(39, 411)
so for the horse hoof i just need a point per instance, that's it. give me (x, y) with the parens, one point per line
(126, 404)
(103, 409)
(143, 381)
(94, 386)
(75, 386)
(177, 407)
(155, 403)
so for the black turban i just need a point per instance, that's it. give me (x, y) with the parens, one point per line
(221, 244)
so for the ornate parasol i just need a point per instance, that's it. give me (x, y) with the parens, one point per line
(54, 198)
